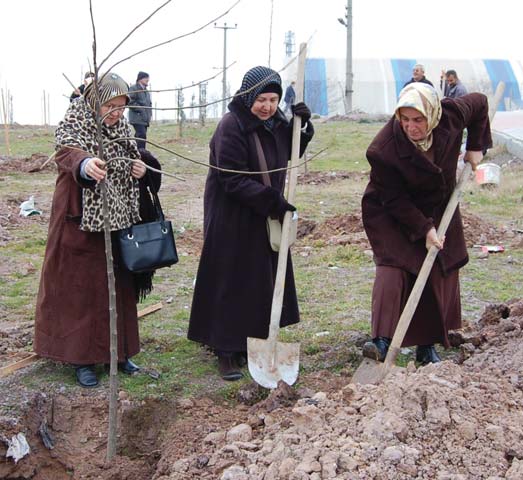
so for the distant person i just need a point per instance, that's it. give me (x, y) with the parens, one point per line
(451, 85)
(418, 75)
(140, 117)
(413, 162)
(290, 97)
(78, 92)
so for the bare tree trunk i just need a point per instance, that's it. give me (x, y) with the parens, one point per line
(113, 325)
(6, 125)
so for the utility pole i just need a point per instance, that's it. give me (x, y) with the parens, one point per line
(224, 27)
(347, 23)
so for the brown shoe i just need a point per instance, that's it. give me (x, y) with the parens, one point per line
(228, 368)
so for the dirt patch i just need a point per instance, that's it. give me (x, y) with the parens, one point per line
(189, 242)
(32, 164)
(360, 117)
(348, 229)
(337, 230)
(323, 178)
(480, 232)
(10, 219)
(454, 421)
(15, 339)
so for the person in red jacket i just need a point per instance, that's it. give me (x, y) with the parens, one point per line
(413, 163)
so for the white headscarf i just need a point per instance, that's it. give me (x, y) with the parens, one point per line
(425, 99)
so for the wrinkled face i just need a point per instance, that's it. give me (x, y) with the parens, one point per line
(417, 74)
(413, 123)
(265, 105)
(451, 80)
(116, 107)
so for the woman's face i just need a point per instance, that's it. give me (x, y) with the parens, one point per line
(265, 105)
(116, 106)
(413, 123)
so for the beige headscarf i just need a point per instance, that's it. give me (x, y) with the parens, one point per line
(425, 100)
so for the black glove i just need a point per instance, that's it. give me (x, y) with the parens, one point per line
(303, 111)
(284, 206)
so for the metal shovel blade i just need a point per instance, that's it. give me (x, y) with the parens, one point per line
(269, 363)
(369, 372)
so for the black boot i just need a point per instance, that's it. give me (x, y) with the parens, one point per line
(128, 367)
(86, 376)
(240, 359)
(377, 349)
(228, 368)
(426, 354)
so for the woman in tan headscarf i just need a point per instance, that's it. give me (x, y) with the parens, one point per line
(413, 173)
(72, 312)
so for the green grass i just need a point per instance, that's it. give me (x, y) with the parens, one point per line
(334, 283)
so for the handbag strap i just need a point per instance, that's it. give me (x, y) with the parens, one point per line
(156, 199)
(261, 160)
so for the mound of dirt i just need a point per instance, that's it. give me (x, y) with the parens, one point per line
(32, 164)
(323, 178)
(337, 230)
(445, 421)
(479, 232)
(348, 229)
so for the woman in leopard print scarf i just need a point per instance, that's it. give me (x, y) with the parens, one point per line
(72, 314)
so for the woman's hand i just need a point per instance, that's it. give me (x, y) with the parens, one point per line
(95, 168)
(138, 169)
(303, 111)
(474, 158)
(432, 239)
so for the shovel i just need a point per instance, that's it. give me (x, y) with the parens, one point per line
(373, 371)
(269, 360)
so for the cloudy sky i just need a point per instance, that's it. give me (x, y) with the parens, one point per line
(42, 40)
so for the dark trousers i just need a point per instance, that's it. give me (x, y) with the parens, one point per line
(140, 131)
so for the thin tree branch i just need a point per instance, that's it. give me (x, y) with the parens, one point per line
(131, 32)
(207, 165)
(176, 38)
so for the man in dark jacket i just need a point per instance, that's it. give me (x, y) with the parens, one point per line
(451, 84)
(290, 97)
(418, 75)
(140, 104)
(78, 92)
(413, 163)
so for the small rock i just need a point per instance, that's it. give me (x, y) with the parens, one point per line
(234, 472)
(214, 438)
(515, 472)
(240, 433)
(392, 454)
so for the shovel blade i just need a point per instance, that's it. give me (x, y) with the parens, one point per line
(269, 363)
(369, 372)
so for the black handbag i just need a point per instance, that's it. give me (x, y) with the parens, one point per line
(148, 246)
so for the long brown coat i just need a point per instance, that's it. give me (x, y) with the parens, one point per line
(72, 313)
(235, 281)
(407, 194)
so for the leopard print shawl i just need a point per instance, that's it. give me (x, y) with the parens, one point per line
(78, 130)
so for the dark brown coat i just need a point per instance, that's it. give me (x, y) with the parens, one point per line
(72, 313)
(235, 281)
(407, 193)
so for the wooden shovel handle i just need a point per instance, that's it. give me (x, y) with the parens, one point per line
(423, 275)
(279, 284)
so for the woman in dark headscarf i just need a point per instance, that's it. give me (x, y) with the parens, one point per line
(235, 281)
(413, 163)
(72, 312)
